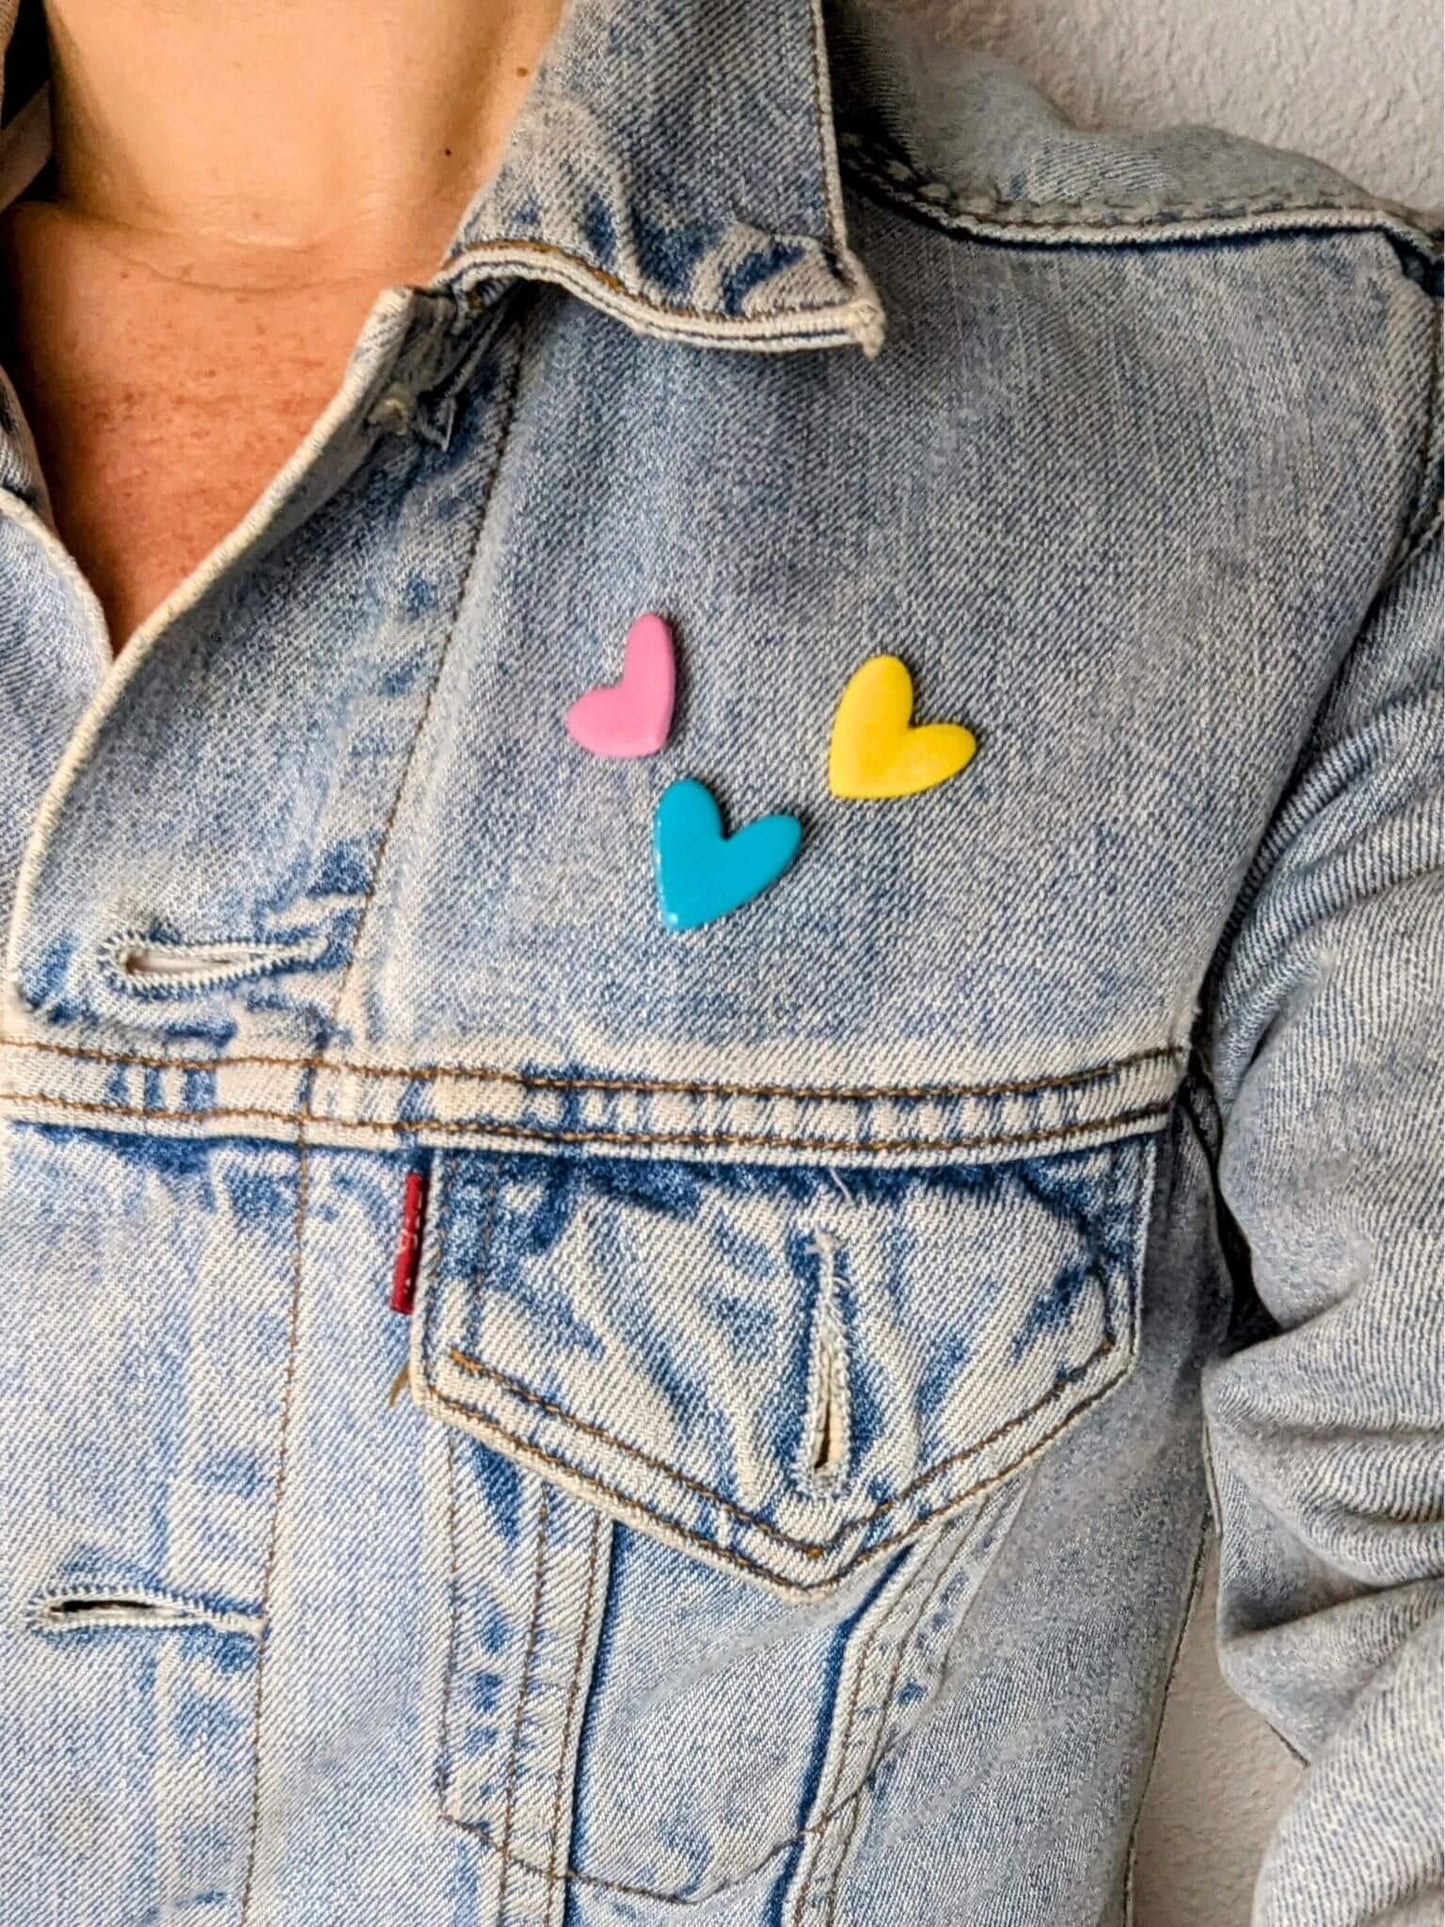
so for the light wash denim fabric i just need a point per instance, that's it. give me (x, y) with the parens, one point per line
(795, 1511)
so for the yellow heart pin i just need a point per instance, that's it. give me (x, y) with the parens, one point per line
(875, 750)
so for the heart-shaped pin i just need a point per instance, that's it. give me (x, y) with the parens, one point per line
(875, 751)
(631, 717)
(701, 873)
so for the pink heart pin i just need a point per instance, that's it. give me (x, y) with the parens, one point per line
(631, 717)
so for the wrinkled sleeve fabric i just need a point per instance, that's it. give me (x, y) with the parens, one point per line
(1323, 1435)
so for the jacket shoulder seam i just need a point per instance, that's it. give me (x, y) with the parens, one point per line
(886, 173)
(1424, 521)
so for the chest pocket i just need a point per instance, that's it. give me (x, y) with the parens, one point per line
(783, 1371)
(729, 1449)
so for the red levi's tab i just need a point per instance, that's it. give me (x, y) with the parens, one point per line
(408, 1250)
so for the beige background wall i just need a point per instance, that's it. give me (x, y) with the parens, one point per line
(1357, 83)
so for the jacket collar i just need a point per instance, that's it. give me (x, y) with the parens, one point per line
(675, 166)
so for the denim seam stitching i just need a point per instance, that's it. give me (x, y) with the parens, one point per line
(833, 1805)
(880, 1749)
(904, 182)
(504, 426)
(819, 1825)
(419, 1129)
(528, 1080)
(288, 1386)
(1089, 226)
(554, 1871)
(551, 1873)
(1426, 511)
(454, 1583)
(477, 252)
(856, 321)
(524, 1690)
(809, 1549)
(605, 1885)
(601, 1881)
(425, 1324)
(817, 56)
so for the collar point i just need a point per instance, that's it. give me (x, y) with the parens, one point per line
(754, 290)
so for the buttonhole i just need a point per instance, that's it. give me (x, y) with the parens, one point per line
(827, 1445)
(145, 965)
(60, 1612)
(823, 1461)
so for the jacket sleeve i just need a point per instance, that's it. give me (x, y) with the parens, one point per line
(1323, 1030)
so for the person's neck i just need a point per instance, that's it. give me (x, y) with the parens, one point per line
(285, 143)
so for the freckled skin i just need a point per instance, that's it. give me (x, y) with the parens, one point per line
(233, 187)
(156, 440)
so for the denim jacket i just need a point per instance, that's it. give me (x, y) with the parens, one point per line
(564, 1371)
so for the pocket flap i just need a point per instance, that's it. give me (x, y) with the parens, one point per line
(783, 1370)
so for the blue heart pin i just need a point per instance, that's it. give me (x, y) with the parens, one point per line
(702, 873)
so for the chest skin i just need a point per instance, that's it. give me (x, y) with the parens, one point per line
(161, 407)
